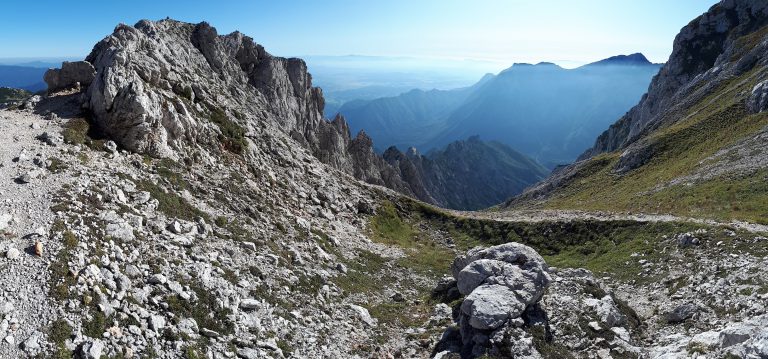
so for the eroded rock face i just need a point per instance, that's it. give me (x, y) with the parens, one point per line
(180, 90)
(758, 100)
(703, 54)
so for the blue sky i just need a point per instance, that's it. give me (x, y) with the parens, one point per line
(505, 31)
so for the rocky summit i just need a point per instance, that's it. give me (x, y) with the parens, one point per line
(178, 194)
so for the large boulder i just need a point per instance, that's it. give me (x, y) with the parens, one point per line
(71, 75)
(500, 282)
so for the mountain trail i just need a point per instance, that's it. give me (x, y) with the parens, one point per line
(543, 215)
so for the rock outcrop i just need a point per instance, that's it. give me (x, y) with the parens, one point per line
(499, 284)
(71, 75)
(181, 91)
(515, 306)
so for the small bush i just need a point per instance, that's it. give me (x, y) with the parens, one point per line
(232, 135)
(79, 132)
(171, 204)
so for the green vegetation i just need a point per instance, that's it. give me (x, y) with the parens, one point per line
(56, 165)
(171, 204)
(423, 254)
(58, 333)
(544, 344)
(80, 132)
(204, 311)
(8, 95)
(286, 347)
(232, 135)
(61, 280)
(361, 270)
(716, 122)
(97, 325)
(600, 246)
(170, 171)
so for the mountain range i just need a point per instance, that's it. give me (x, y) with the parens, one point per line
(694, 144)
(23, 77)
(179, 194)
(547, 112)
(467, 175)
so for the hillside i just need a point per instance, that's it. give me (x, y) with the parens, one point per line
(546, 112)
(405, 120)
(179, 195)
(11, 95)
(694, 145)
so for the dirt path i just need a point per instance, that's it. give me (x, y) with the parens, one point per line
(570, 215)
(25, 308)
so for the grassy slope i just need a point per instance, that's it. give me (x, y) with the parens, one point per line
(716, 122)
(11, 94)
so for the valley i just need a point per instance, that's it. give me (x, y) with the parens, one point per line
(180, 193)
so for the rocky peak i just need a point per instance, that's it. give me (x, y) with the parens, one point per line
(706, 51)
(179, 90)
(636, 59)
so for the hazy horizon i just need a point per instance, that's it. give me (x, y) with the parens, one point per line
(500, 32)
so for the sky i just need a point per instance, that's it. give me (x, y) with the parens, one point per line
(504, 31)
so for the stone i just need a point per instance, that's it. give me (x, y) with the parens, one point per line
(364, 315)
(735, 335)
(91, 349)
(32, 344)
(686, 240)
(758, 99)
(250, 304)
(176, 228)
(110, 146)
(12, 253)
(6, 308)
(188, 326)
(514, 253)
(72, 74)
(490, 306)
(156, 322)
(397, 297)
(157, 279)
(249, 353)
(5, 220)
(28, 177)
(209, 333)
(38, 248)
(681, 313)
(606, 310)
(341, 267)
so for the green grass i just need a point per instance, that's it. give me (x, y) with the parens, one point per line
(8, 94)
(232, 135)
(393, 227)
(170, 171)
(604, 247)
(716, 122)
(56, 165)
(58, 333)
(61, 280)
(171, 204)
(79, 132)
(97, 325)
(204, 311)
